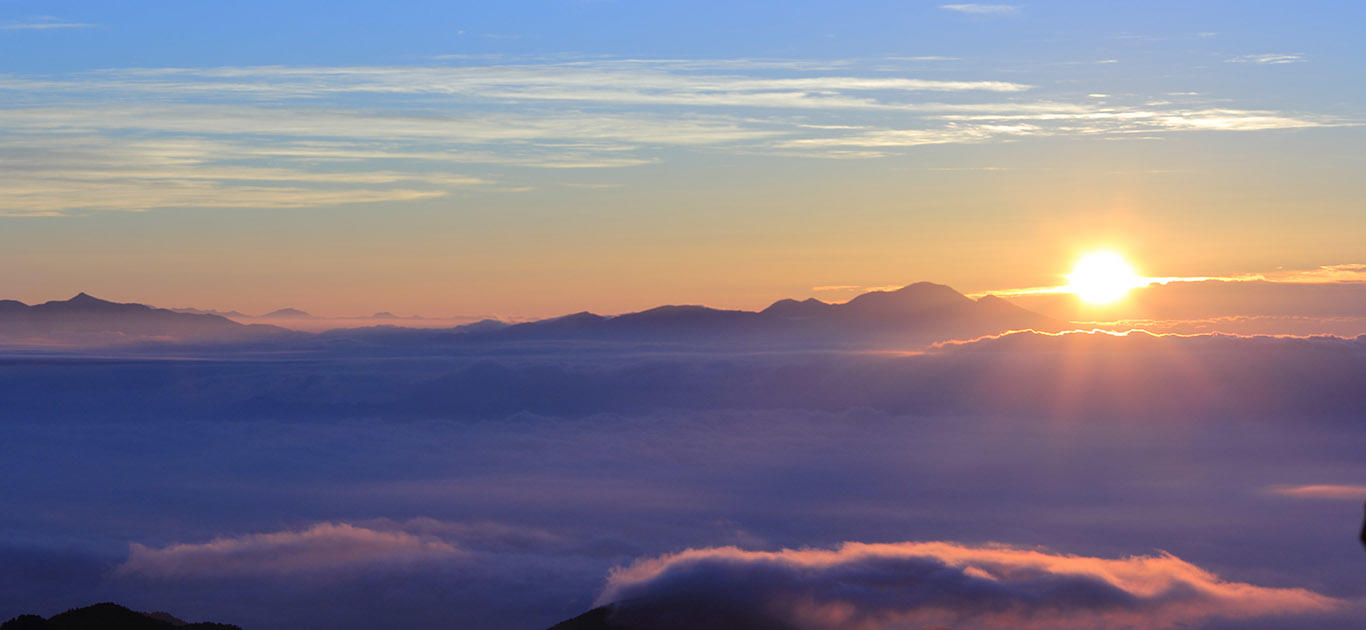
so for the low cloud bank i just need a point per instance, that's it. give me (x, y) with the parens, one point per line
(917, 584)
(321, 548)
(1318, 300)
(1093, 376)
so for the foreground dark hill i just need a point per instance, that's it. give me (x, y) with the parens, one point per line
(599, 618)
(108, 616)
(625, 617)
(89, 321)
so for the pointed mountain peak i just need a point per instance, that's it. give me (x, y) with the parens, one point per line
(84, 300)
(581, 316)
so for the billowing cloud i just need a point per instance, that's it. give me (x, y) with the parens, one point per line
(919, 584)
(320, 548)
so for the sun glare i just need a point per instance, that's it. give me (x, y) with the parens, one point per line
(1103, 277)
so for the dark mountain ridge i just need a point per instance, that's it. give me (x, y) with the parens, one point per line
(917, 313)
(108, 616)
(913, 315)
(87, 320)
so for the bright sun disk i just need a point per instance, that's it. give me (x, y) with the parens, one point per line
(1103, 277)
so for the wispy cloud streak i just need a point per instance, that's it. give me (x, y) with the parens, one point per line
(1321, 491)
(981, 9)
(1269, 58)
(274, 136)
(46, 23)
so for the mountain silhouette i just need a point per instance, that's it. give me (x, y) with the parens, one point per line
(599, 618)
(209, 311)
(286, 313)
(108, 616)
(917, 313)
(88, 320)
(913, 315)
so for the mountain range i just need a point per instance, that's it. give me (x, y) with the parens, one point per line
(108, 616)
(919, 313)
(913, 315)
(85, 320)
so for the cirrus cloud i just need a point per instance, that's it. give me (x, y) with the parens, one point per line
(44, 23)
(981, 9)
(1269, 58)
(305, 136)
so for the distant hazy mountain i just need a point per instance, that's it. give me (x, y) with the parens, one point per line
(918, 313)
(108, 617)
(86, 320)
(209, 311)
(482, 326)
(914, 315)
(286, 313)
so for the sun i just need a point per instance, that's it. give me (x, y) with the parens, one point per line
(1103, 277)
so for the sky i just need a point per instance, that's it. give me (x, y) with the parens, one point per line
(531, 159)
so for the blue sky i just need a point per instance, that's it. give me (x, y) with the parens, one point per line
(612, 155)
(348, 32)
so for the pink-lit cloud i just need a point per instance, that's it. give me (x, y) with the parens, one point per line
(320, 548)
(1321, 491)
(917, 584)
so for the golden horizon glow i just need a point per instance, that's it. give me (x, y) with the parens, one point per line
(1103, 277)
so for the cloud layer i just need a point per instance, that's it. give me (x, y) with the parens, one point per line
(543, 467)
(919, 584)
(1161, 379)
(1330, 300)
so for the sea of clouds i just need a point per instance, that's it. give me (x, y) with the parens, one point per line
(1086, 480)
